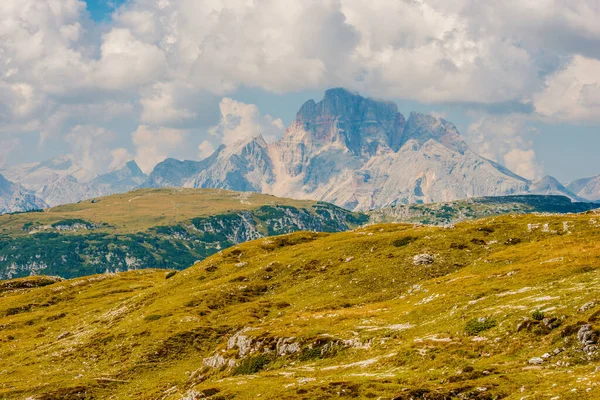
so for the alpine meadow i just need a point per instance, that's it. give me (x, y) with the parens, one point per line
(317, 199)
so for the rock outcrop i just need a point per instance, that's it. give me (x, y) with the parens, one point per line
(588, 337)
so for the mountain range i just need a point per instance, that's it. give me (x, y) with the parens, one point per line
(355, 152)
(62, 181)
(588, 188)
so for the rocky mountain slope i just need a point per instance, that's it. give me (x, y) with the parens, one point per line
(243, 166)
(357, 153)
(478, 207)
(588, 188)
(495, 308)
(549, 185)
(62, 181)
(152, 229)
(15, 198)
(34, 176)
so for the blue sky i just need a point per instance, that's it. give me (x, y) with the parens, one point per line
(521, 80)
(100, 10)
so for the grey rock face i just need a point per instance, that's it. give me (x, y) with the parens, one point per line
(548, 185)
(218, 361)
(243, 166)
(588, 188)
(588, 337)
(362, 125)
(421, 128)
(15, 198)
(356, 152)
(423, 259)
(536, 361)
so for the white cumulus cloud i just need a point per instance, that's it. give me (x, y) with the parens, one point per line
(165, 65)
(523, 162)
(505, 139)
(572, 93)
(241, 121)
(91, 148)
(153, 145)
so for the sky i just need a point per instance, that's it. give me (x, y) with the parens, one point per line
(101, 10)
(106, 81)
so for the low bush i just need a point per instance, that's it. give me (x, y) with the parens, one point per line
(404, 241)
(252, 365)
(170, 274)
(478, 325)
(537, 315)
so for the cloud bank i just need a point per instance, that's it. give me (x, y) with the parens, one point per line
(163, 65)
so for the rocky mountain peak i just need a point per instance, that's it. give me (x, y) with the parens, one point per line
(247, 145)
(244, 165)
(424, 127)
(59, 163)
(548, 185)
(134, 169)
(14, 197)
(588, 188)
(362, 125)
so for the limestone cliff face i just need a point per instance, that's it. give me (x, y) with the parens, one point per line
(355, 152)
(591, 190)
(358, 124)
(343, 130)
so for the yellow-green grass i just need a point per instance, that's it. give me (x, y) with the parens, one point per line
(141, 209)
(139, 335)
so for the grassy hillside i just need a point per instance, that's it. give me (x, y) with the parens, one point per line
(143, 209)
(152, 228)
(506, 307)
(478, 207)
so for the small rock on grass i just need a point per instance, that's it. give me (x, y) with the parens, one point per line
(536, 361)
(423, 259)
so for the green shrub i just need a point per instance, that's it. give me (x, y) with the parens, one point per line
(537, 315)
(311, 353)
(404, 241)
(478, 325)
(152, 317)
(170, 274)
(252, 365)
